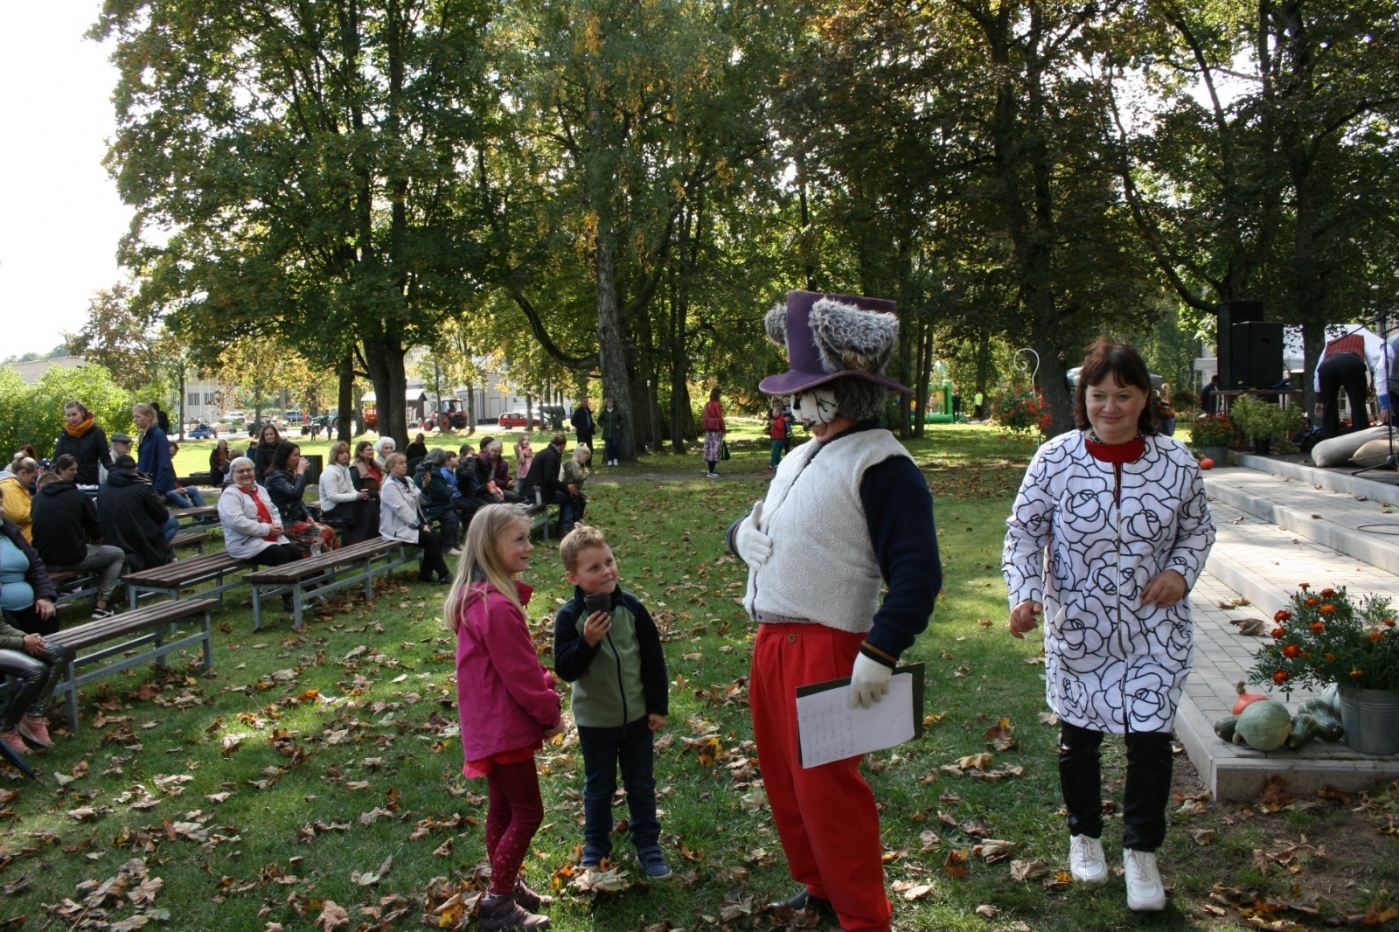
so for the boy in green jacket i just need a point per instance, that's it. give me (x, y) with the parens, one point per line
(606, 644)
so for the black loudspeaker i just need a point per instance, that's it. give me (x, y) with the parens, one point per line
(1255, 355)
(1231, 313)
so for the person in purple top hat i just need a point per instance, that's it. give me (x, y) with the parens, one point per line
(844, 513)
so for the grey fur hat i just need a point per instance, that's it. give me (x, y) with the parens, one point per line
(832, 337)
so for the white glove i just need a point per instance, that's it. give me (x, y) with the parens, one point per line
(868, 682)
(753, 545)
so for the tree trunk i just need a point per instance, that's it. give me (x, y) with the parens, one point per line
(612, 353)
(345, 399)
(384, 357)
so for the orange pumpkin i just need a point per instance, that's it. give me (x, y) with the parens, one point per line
(1207, 463)
(1246, 699)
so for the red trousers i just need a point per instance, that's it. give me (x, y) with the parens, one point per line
(825, 815)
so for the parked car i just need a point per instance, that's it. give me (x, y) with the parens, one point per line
(203, 432)
(234, 417)
(520, 419)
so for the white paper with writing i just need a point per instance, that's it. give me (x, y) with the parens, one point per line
(831, 730)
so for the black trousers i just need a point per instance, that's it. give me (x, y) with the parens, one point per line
(1336, 372)
(276, 555)
(37, 677)
(28, 621)
(1145, 797)
(431, 544)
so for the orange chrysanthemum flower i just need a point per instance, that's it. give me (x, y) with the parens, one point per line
(1281, 676)
(1312, 603)
(1282, 615)
(1304, 586)
(1328, 593)
(1356, 674)
(1279, 632)
(1327, 609)
(1291, 650)
(1318, 627)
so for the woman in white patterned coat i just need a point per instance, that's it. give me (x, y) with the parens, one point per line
(1119, 511)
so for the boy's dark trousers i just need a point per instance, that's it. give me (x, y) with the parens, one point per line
(603, 750)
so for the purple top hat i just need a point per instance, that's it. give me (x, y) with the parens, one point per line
(832, 336)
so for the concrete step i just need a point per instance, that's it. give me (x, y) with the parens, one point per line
(1376, 485)
(1265, 563)
(1351, 523)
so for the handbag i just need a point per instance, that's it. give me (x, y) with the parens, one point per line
(723, 449)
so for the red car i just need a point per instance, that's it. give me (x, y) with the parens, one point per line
(520, 419)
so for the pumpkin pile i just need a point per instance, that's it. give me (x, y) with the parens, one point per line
(1265, 725)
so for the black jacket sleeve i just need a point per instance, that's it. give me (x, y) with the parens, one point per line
(899, 516)
(91, 526)
(572, 653)
(654, 681)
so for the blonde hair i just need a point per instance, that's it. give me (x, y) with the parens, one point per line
(480, 561)
(576, 541)
(339, 447)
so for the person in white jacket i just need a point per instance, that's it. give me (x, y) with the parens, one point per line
(1120, 511)
(401, 518)
(341, 501)
(252, 529)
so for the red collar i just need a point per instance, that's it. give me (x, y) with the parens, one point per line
(1128, 452)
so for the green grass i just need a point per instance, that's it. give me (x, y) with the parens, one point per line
(377, 733)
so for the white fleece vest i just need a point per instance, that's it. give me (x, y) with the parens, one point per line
(823, 566)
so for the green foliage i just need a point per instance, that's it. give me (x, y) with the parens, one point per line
(1265, 420)
(34, 413)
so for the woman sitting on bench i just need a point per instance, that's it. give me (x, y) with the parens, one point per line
(401, 518)
(342, 501)
(27, 598)
(286, 486)
(252, 528)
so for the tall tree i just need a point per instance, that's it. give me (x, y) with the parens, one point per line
(306, 157)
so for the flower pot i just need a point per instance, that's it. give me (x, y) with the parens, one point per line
(1219, 454)
(1371, 720)
(1262, 446)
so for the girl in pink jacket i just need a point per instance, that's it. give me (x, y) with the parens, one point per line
(506, 703)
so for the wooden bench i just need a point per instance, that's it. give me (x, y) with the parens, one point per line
(188, 517)
(195, 539)
(73, 585)
(538, 513)
(333, 570)
(142, 628)
(171, 578)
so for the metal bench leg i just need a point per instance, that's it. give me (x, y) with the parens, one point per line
(72, 698)
(257, 607)
(298, 595)
(158, 639)
(208, 644)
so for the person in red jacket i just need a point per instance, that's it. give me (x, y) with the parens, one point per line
(712, 420)
(778, 432)
(506, 703)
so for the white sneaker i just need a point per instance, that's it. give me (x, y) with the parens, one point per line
(1087, 862)
(1144, 889)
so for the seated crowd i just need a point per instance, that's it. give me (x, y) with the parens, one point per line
(101, 507)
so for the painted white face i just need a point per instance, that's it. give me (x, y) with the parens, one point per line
(817, 406)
